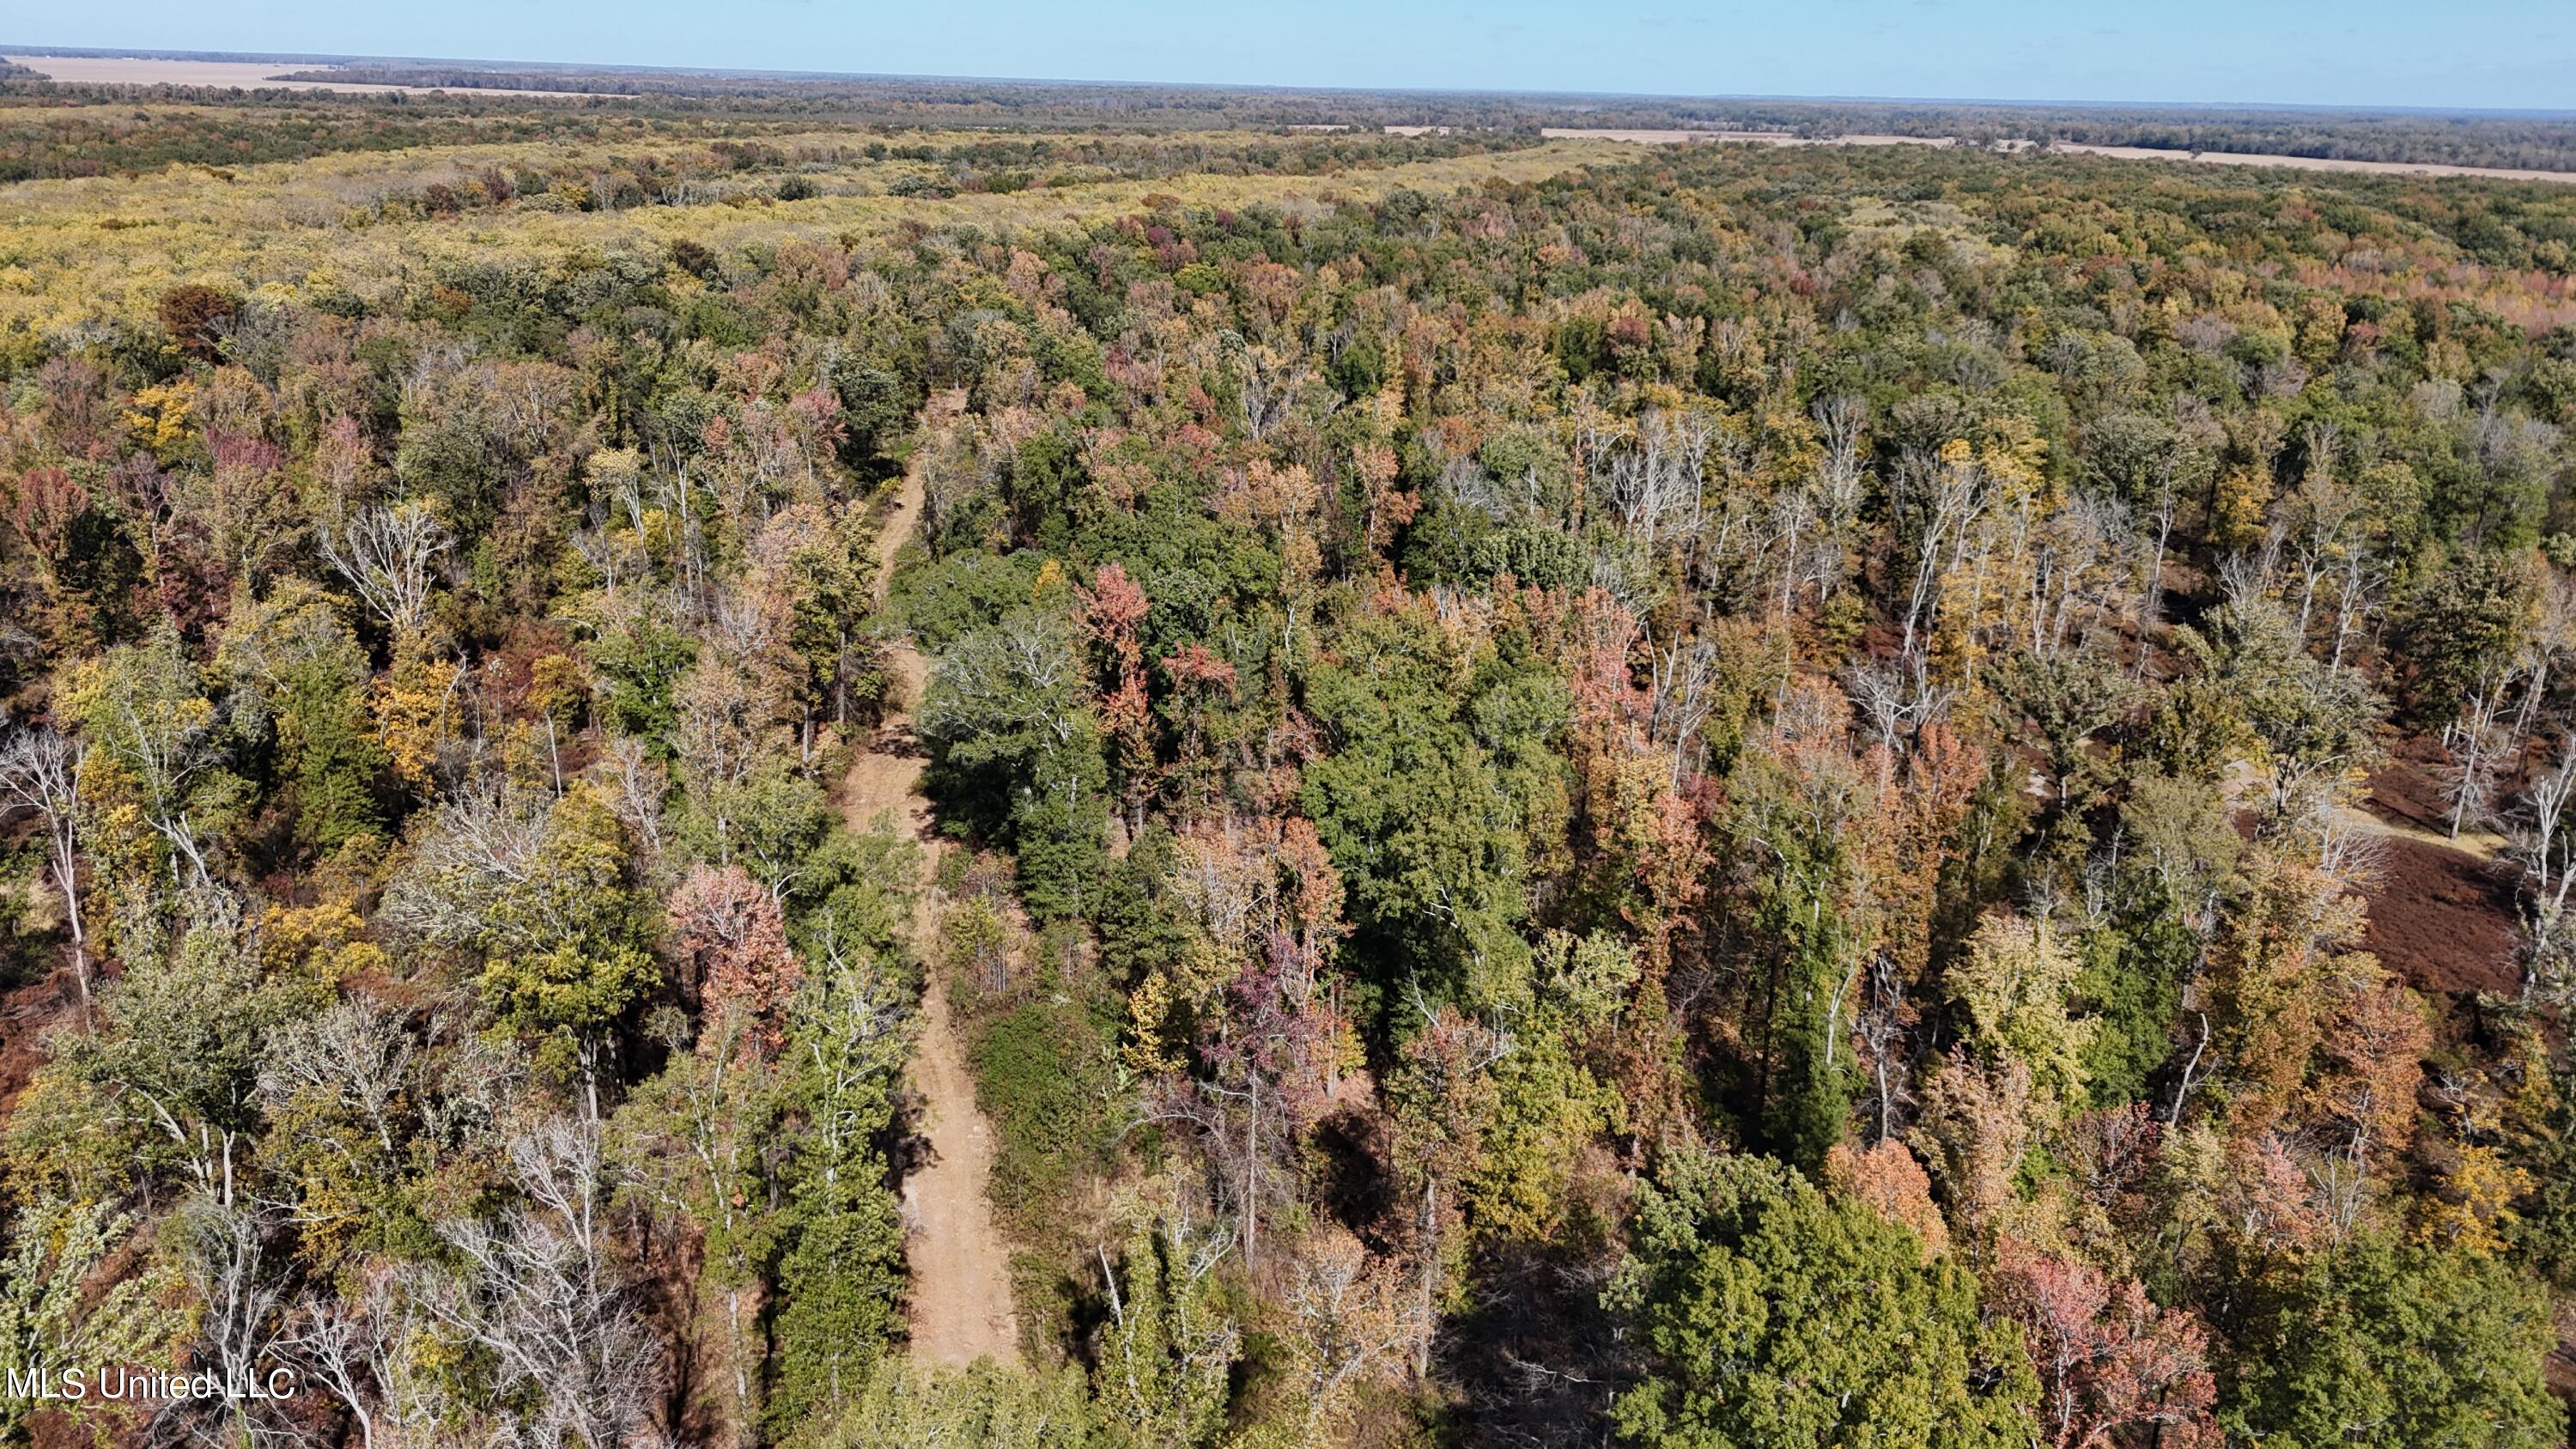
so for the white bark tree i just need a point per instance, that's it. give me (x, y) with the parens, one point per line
(390, 556)
(40, 772)
(537, 1290)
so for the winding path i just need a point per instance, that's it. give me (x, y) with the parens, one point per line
(960, 1265)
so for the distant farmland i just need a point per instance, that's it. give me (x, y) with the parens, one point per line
(129, 70)
(1669, 137)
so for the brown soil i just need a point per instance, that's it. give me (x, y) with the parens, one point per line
(961, 1267)
(26, 1014)
(2443, 918)
(2443, 913)
(2406, 793)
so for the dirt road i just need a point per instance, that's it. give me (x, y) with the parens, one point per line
(961, 1279)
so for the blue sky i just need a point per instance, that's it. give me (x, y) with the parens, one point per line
(2484, 53)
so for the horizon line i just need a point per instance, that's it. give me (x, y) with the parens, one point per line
(280, 57)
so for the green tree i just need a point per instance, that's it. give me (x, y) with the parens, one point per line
(53, 1317)
(178, 1057)
(1774, 1317)
(1438, 779)
(2068, 696)
(641, 658)
(2015, 981)
(158, 783)
(295, 658)
(1798, 806)
(2389, 1346)
(541, 895)
(841, 1278)
(2254, 691)
(902, 1406)
(771, 823)
(1159, 1376)
(1007, 719)
(697, 1140)
(2132, 983)
(829, 575)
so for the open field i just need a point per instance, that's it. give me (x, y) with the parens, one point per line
(73, 252)
(1649, 137)
(2316, 163)
(129, 70)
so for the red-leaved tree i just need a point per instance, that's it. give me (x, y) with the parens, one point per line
(2114, 1369)
(729, 929)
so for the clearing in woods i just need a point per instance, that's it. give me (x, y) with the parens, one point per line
(961, 1279)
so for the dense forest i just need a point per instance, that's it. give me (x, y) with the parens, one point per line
(1575, 795)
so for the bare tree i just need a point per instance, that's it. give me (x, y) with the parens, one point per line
(349, 1350)
(537, 1292)
(1937, 502)
(1880, 1028)
(1897, 702)
(357, 1054)
(40, 771)
(2151, 591)
(1657, 481)
(2347, 850)
(2478, 740)
(2551, 639)
(1842, 471)
(2326, 518)
(1270, 384)
(1795, 525)
(168, 744)
(238, 1294)
(2248, 578)
(2542, 845)
(614, 555)
(469, 1089)
(1685, 675)
(479, 846)
(636, 784)
(2357, 589)
(1347, 1318)
(2077, 572)
(2546, 846)
(389, 555)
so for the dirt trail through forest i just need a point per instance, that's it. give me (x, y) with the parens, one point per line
(961, 1278)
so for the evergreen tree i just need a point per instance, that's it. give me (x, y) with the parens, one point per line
(1771, 1316)
(2384, 1345)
